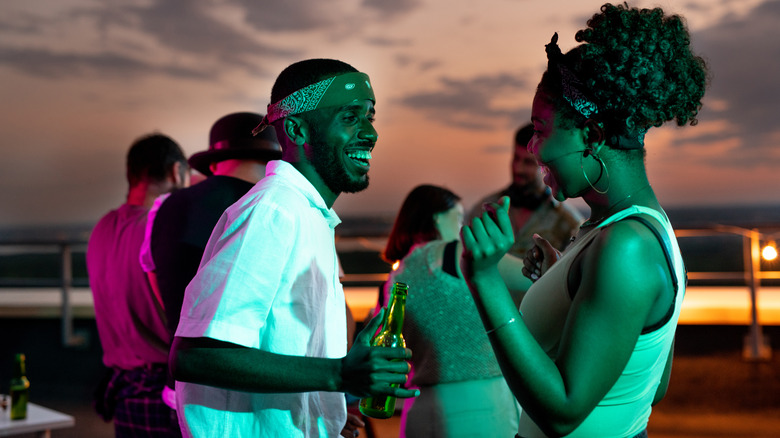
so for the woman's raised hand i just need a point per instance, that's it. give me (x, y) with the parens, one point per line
(487, 238)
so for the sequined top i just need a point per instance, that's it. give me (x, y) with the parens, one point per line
(441, 326)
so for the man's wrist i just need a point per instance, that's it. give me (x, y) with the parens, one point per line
(336, 381)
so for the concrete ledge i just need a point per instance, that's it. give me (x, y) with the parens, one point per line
(715, 305)
(44, 303)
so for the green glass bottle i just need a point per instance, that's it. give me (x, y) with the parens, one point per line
(20, 389)
(388, 336)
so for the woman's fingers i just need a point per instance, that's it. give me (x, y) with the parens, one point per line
(532, 263)
(489, 236)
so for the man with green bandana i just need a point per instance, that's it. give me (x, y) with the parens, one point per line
(260, 350)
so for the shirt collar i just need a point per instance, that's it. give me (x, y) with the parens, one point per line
(290, 173)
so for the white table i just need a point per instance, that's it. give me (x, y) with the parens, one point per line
(39, 421)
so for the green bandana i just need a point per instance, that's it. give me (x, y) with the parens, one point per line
(334, 91)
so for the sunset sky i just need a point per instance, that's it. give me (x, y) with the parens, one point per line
(81, 80)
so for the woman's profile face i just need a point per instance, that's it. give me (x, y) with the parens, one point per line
(558, 151)
(449, 222)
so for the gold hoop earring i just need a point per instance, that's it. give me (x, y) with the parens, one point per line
(601, 173)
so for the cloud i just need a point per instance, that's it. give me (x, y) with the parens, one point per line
(12, 22)
(429, 64)
(336, 17)
(53, 65)
(388, 42)
(406, 61)
(194, 38)
(471, 103)
(743, 54)
(191, 28)
(182, 39)
(335, 21)
(287, 16)
(392, 9)
(188, 26)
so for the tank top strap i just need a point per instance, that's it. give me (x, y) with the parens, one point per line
(634, 210)
(668, 242)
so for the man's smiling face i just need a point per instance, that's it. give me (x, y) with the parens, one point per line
(341, 143)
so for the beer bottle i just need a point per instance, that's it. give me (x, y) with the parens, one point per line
(20, 389)
(388, 336)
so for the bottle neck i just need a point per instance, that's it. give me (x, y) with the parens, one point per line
(395, 313)
(19, 368)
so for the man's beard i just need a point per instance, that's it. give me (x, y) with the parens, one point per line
(333, 171)
(528, 196)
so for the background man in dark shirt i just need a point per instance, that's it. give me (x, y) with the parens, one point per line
(234, 162)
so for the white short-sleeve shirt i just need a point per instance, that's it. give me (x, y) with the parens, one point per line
(268, 280)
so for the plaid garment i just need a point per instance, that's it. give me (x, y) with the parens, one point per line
(133, 399)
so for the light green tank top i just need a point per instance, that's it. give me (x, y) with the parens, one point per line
(625, 409)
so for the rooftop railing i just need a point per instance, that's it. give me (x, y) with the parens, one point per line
(64, 245)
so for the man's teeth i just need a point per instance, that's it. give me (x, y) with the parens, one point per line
(360, 155)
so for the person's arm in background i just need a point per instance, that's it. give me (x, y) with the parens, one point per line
(145, 256)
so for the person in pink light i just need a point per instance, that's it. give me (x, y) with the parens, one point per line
(130, 319)
(590, 350)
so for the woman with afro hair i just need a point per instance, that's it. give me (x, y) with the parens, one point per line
(590, 349)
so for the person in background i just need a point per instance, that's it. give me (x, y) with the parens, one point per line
(260, 350)
(129, 316)
(233, 163)
(462, 391)
(532, 209)
(591, 350)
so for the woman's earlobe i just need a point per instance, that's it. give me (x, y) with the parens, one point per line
(594, 132)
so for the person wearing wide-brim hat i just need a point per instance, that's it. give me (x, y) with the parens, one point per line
(229, 139)
(233, 163)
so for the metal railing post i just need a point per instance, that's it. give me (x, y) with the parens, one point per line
(66, 280)
(756, 346)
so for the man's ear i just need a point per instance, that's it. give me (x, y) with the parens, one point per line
(178, 175)
(297, 130)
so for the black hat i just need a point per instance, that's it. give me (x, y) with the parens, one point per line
(231, 138)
